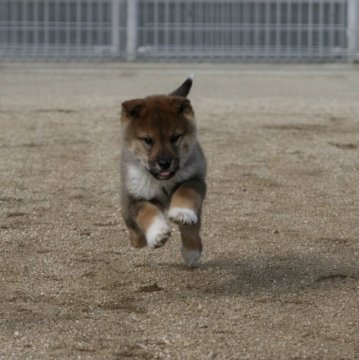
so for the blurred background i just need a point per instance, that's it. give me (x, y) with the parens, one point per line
(180, 30)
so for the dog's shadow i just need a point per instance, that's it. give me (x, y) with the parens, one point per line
(270, 275)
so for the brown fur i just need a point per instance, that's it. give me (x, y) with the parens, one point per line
(189, 195)
(163, 169)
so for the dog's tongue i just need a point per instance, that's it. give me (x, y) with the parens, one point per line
(165, 173)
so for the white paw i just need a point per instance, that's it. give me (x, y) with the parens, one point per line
(191, 257)
(182, 216)
(158, 233)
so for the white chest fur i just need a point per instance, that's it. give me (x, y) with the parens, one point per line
(142, 185)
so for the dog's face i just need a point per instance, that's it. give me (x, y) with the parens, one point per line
(159, 131)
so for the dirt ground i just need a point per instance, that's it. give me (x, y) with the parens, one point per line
(280, 272)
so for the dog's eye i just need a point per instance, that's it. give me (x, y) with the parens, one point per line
(175, 138)
(147, 140)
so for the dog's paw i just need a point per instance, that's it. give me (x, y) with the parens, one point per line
(182, 216)
(158, 233)
(191, 257)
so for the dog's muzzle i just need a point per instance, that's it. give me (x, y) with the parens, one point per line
(164, 168)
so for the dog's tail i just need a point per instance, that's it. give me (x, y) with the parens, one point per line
(184, 89)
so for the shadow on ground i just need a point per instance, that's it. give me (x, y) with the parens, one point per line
(269, 275)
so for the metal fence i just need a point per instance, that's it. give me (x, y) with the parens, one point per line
(58, 29)
(200, 30)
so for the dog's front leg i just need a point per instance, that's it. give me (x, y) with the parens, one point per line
(151, 221)
(185, 210)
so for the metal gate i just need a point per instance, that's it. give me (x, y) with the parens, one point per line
(62, 29)
(175, 30)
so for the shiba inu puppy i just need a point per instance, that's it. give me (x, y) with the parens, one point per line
(163, 171)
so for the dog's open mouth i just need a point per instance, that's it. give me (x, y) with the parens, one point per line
(164, 175)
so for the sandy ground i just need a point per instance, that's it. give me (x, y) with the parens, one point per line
(280, 273)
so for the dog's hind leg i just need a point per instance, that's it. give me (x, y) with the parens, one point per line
(137, 238)
(191, 243)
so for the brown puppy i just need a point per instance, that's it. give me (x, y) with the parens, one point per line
(163, 171)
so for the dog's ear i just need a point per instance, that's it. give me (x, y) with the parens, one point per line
(132, 108)
(184, 89)
(182, 106)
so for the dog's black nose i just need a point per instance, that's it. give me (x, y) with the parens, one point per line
(164, 163)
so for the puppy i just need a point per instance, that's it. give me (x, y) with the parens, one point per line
(163, 171)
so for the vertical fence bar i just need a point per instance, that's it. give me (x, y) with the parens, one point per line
(132, 30)
(99, 41)
(78, 27)
(155, 26)
(56, 26)
(353, 30)
(67, 28)
(11, 36)
(3, 29)
(35, 26)
(245, 24)
(267, 29)
(332, 25)
(166, 28)
(299, 26)
(115, 27)
(291, 30)
(145, 35)
(177, 26)
(321, 25)
(278, 30)
(310, 30)
(24, 33)
(256, 24)
(46, 29)
(344, 23)
(88, 28)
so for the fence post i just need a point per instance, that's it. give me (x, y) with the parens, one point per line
(353, 30)
(132, 29)
(116, 27)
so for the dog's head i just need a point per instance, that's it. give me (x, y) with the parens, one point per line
(160, 131)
